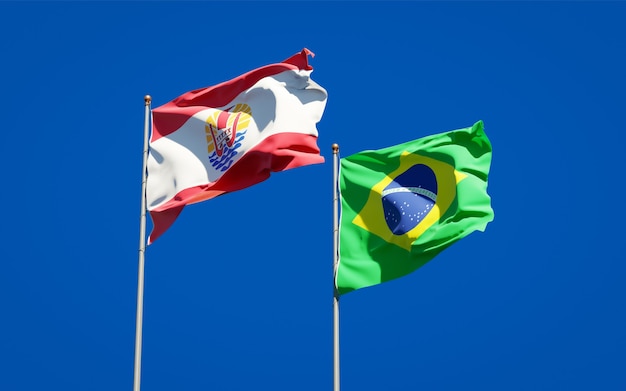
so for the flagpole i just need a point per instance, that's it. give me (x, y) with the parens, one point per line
(142, 249)
(335, 263)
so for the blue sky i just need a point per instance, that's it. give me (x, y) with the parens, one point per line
(238, 292)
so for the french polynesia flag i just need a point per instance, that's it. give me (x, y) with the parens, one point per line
(232, 135)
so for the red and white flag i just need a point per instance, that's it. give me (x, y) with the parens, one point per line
(232, 135)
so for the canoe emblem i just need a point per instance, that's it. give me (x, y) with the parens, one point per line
(225, 129)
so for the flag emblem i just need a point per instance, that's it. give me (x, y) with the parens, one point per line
(414, 197)
(409, 198)
(225, 129)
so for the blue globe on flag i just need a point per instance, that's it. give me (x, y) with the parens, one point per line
(409, 198)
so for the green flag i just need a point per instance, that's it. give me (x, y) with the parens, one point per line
(403, 205)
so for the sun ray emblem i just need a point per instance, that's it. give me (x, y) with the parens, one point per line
(223, 126)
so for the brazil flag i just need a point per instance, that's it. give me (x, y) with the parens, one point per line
(403, 205)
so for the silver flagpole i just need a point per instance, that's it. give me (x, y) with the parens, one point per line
(335, 262)
(142, 249)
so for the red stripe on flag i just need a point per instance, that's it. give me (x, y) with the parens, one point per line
(279, 152)
(172, 115)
